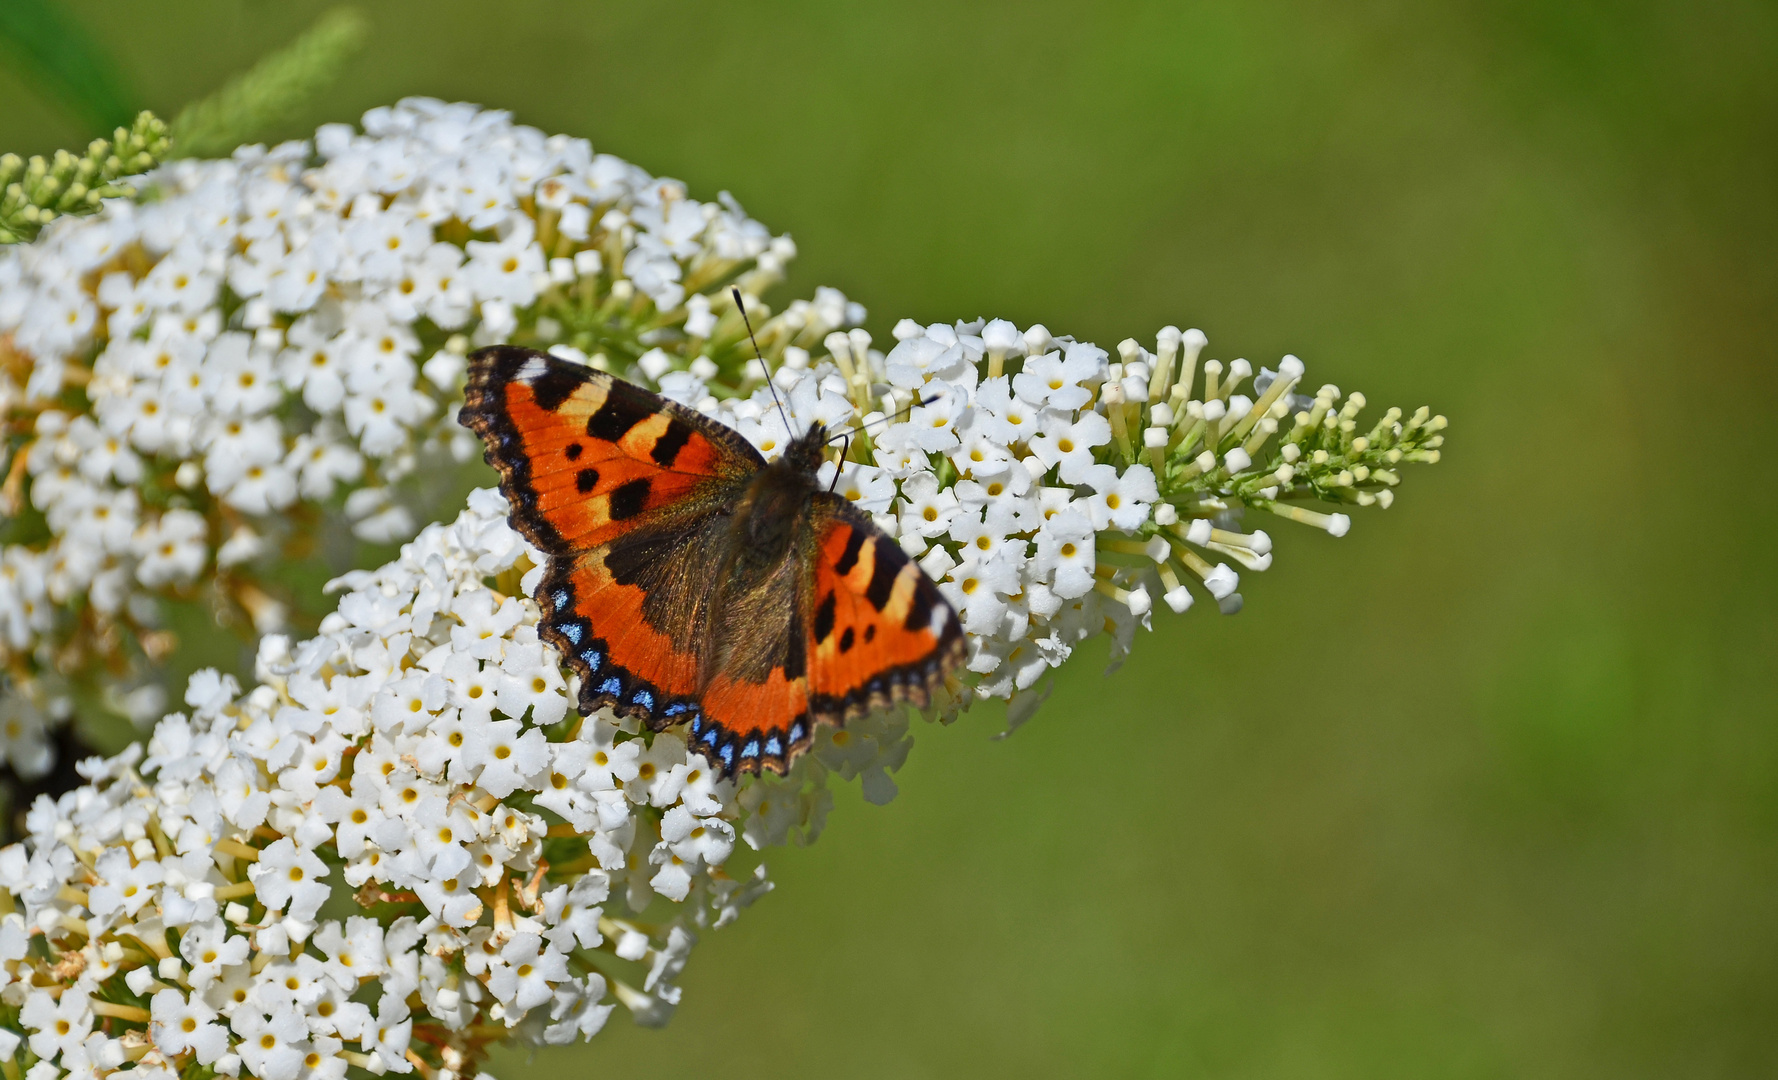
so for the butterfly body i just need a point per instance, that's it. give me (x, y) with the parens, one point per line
(691, 582)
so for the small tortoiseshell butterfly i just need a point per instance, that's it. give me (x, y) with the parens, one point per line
(688, 581)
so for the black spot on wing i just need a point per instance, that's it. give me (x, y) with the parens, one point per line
(586, 480)
(849, 556)
(796, 662)
(846, 640)
(667, 447)
(574, 451)
(627, 500)
(824, 618)
(870, 633)
(887, 563)
(617, 416)
(920, 611)
(557, 384)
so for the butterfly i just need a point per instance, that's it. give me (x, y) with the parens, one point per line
(688, 580)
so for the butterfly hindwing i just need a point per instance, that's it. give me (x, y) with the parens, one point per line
(630, 616)
(756, 699)
(869, 629)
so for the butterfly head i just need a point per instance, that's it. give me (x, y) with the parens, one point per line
(805, 452)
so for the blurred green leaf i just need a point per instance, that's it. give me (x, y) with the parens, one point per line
(66, 63)
(271, 92)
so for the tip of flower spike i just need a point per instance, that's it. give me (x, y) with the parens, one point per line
(1290, 367)
(1337, 524)
(1221, 581)
(1236, 460)
(1179, 598)
(1194, 339)
(1230, 604)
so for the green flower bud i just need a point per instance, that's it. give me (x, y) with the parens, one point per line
(39, 190)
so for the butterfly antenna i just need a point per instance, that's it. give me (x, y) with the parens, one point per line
(846, 435)
(741, 306)
(903, 411)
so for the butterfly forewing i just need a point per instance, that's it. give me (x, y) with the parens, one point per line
(879, 630)
(585, 457)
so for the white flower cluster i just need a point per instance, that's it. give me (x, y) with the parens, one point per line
(1051, 490)
(192, 383)
(402, 841)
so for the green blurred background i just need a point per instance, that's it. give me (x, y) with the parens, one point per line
(1486, 788)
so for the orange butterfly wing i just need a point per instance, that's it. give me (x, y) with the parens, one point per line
(585, 457)
(880, 632)
(623, 490)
